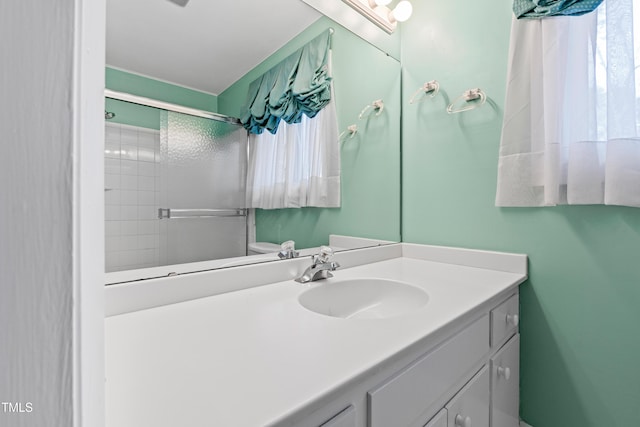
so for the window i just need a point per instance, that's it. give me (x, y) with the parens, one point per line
(572, 112)
(298, 166)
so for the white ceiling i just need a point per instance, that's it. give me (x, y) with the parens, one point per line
(207, 45)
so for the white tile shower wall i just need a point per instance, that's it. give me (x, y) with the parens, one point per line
(132, 168)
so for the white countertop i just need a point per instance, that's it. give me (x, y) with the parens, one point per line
(254, 356)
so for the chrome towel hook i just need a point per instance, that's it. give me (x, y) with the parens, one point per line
(377, 106)
(467, 96)
(429, 89)
(351, 131)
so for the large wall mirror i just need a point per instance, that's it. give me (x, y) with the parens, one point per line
(174, 183)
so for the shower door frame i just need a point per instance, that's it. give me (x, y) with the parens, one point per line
(150, 102)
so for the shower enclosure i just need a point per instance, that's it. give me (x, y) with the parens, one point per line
(174, 185)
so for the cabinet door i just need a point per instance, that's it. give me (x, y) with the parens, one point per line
(346, 418)
(439, 420)
(505, 385)
(470, 407)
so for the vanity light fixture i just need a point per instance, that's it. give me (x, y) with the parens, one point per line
(379, 12)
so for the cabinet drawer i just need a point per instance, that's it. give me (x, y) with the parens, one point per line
(401, 400)
(346, 418)
(470, 407)
(505, 385)
(504, 321)
(439, 420)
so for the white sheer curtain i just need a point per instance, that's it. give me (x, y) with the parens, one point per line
(571, 120)
(298, 166)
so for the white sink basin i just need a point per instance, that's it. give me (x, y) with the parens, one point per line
(363, 298)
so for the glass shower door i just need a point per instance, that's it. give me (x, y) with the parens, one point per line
(202, 210)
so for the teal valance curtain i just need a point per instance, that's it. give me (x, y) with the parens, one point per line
(544, 8)
(299, 85)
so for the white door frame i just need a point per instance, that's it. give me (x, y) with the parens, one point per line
(88, 215)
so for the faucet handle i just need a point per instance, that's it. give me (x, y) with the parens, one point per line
(325, 254)
(289, 245)
(288, 250)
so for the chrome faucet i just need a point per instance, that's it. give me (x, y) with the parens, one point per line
(321, 267)
(288, 250)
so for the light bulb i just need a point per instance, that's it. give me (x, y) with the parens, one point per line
(382, 2)
(402, 11)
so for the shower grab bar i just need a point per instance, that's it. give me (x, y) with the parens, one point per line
(167, 213)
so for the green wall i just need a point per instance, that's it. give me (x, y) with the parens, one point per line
(370, 161)
(581, 304)
(149, 117)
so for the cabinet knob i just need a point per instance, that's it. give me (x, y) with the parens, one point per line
(504, 372)
(513, 319)
(463, 421)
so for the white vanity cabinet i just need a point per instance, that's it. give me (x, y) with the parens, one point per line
(505, 319)
(464, 381)
(346, 418)
(470, 380)
(440, 420)
(470, 407)
(403, 398)
(505, 385)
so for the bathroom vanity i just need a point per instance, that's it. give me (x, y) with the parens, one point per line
(403, 335)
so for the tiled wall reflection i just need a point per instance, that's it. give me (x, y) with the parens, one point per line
(132, 197)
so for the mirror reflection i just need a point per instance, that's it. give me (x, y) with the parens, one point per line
(175, 184)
